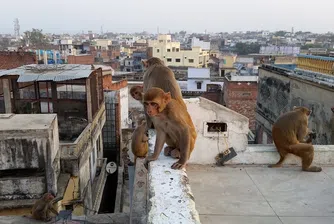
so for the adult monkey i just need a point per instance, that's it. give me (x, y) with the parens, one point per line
(173, 125)
(289, 132)
(160, 76)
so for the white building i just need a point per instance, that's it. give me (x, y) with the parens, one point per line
(195, 42)
(199, 79)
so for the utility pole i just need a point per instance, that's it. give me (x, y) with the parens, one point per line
(17, 28)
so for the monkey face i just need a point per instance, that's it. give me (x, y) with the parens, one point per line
(151, 108)
(137, 92)
(136, 95)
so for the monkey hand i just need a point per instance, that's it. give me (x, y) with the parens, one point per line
(312, 135)
(149, 159)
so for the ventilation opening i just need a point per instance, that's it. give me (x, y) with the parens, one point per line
(216, 127)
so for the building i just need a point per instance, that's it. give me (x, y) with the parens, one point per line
(10, 60)
(83, 59)
(240, 93)
(316, 63)
(280, 89)
(75, 94)
(172, 55)
(226, 64)
(196, 42)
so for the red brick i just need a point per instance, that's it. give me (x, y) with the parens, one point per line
(82, 60)
(10, 60)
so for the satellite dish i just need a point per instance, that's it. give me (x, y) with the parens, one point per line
(111, 167)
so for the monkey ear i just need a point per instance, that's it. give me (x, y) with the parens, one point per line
(168, 97)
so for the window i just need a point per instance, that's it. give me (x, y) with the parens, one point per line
(173, 49)
(158, 50)
(217, 127)
(177, 49)
(161, 41)
(246, 94)
(199, 85)
(169, 60)
(191, 60)
(168, 50)
(178, 60)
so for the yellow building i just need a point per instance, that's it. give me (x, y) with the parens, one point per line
(316, 63)
(172, 55)
(226, 64)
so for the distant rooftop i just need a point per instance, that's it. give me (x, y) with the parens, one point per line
(316, 57)
(10, 122)
(34, 72)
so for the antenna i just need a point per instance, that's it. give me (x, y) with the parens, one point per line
(102, 30)
(17, 28)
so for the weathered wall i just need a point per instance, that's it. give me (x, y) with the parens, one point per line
(278, 94)
(14, 188)
(206, 148)
(124, 103)
(83, 60)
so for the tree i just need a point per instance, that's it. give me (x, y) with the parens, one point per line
(34, 38)
(280, 33)
(4, 43)
(245, 49)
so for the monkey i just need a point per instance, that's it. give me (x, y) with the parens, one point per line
(160, 76)
(137, 93)
(42, 207)
(289, 132)
(139, 143)
(173, 126)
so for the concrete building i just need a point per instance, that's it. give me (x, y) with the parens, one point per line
(226, 64)
(171, 53)
(75, 94)
(199, 80)
(196, 42)
(316, 63)
(240, 93)
(280, 89)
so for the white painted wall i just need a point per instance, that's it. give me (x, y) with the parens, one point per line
(192, 84)
(199, 73)
(124, 101)
(202, 110)
(195, 42)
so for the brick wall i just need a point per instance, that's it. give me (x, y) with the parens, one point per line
(82, 60)
(10, 60)
(241, 97)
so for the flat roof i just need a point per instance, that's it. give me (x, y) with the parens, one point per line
(40, 72)
(10, 122)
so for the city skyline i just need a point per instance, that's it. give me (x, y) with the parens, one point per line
(133, 16)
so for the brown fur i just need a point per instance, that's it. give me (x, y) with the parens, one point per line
(160, 76)
(173, 126)
(42, 207)
(137, 93)
(289, 132)
(139, 143)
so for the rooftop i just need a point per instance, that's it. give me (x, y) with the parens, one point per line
(36, 72)
(257, 194)
(316, 57)
(9, 122)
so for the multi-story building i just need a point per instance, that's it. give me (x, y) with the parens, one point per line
(281, 89)
(67, 143)
(172, 55)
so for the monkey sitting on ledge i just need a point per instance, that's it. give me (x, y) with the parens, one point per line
(173, 126)
(139, 143)
(289, 132)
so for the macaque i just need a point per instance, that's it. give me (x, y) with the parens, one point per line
(289, 132)
(160, 76)
(42, 207)
(137, 93)
(139, 143)
(173, 126)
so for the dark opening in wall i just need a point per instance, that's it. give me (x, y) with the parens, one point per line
(217, 127)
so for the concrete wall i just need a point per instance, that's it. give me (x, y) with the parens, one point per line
(207, 146)
(124, 103)
(278, 94)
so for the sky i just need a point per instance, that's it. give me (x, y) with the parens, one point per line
(75, 16)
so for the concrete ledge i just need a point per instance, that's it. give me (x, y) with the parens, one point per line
(170, 197)
(267, 154)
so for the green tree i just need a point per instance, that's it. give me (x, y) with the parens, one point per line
(244, 49)
(35, 38)
(280, 33)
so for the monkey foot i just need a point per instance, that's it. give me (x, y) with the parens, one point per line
(178, 165)
(175, 154)
(168, 150)
(313, 169)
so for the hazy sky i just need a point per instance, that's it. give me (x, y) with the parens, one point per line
(73, 16)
